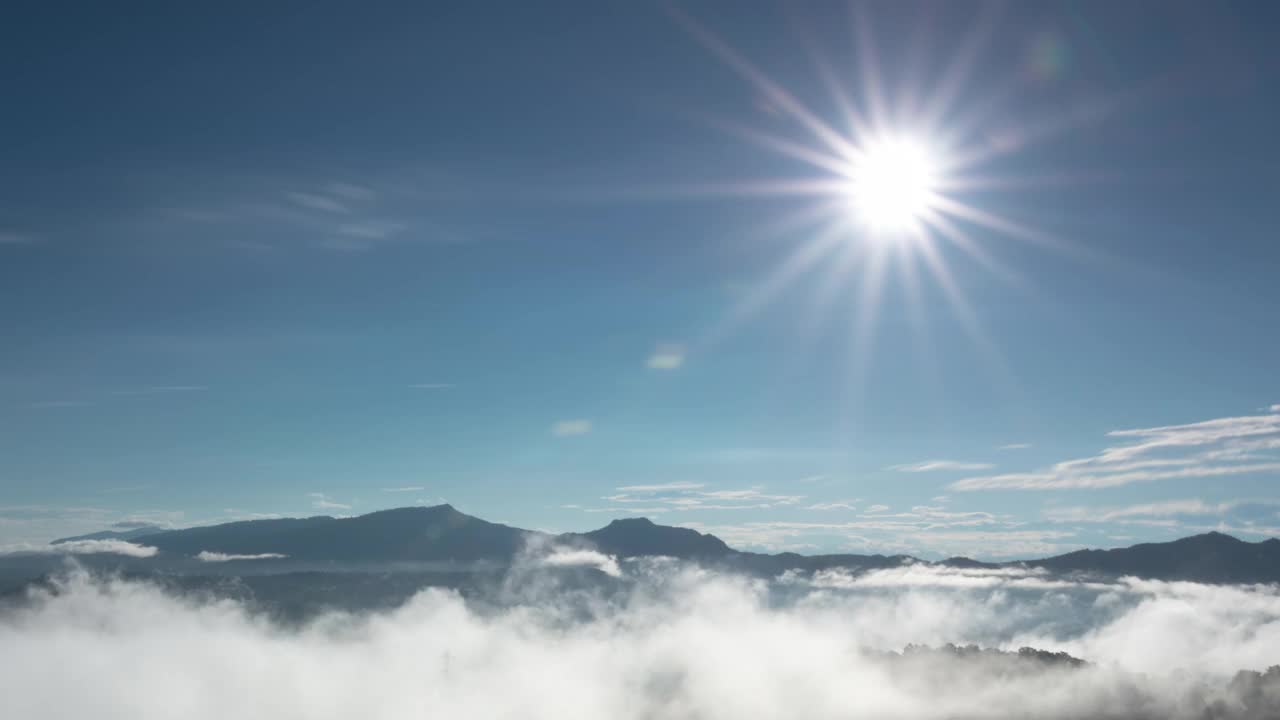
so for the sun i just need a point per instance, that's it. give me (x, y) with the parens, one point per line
(893, 186)
(896, 183)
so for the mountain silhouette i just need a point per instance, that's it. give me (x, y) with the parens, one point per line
(128, 534)
(442, 533)
(438, 533)
(633, 537)
(1212, 557)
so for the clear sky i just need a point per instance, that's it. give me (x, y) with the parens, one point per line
(561, 262)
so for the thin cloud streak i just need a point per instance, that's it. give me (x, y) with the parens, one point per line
(1221, 447)
(571, 428)
(940, 466)
(320, 501)
(667, 357)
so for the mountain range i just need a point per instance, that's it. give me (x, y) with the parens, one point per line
(442, 534)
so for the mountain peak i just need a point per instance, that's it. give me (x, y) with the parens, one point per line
(1212, 536)
(632, 522)
(631, 537)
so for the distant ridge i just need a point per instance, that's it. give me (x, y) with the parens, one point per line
(632, 537)
(1211, 557)
(442, 533)
(438, 533)
(129, 534)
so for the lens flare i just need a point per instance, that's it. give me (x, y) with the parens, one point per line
(893, 186)
(901, 182)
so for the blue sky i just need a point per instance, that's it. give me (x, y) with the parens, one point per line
(551, 263)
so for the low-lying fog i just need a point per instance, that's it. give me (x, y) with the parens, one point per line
(680, 642)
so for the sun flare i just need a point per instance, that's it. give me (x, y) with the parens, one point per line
(893, 185)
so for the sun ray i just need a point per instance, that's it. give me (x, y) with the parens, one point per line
(774, 92)
(904, 180)
(1003, 225)
(796, 264)
(869, 63)
(867, 313)
(960, 67)
(993, 360)
(961, 239)
(797, 151)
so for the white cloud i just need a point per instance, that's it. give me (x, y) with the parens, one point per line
(750, 495)
(1212, 448)
(85, 547)
(1056, 480)
(407, 488)
(1015, 446)
(570, 428)
(319, 201)
(667, 357)
(940, 466)
(563, 557)
(1275, 408)
(320, 501)
(922, 530)
(214, 557)
(660, 487)
(690, 496)
(837, 505)
(1160, 509)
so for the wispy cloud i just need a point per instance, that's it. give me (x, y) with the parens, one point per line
(320, 501)
(669, 497)
(56, 404)
(161, 389)
(319, 201)
(667, 357)
(660, 487)
(835, 505)
(407, 488)
(85, 547)
(923, 530)
(570, 428)
(207, 556)
(370, 229)
(940, 466)
(1144, 513)
(8, 237)
(622, 510)
(1213, 448)
(1014, 446)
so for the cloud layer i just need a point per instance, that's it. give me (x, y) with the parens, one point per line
(682, 643)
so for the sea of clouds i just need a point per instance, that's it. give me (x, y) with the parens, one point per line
(676, 641)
